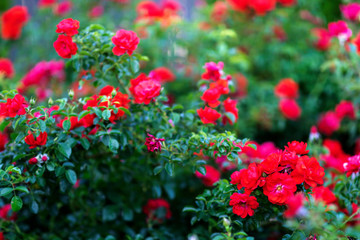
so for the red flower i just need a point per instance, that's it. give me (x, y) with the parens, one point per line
(271, 162)
(33, 161)
(63, 8)
(212, 176)
(162, 74)
(351, 11)
(239, 5)
(224, 164)
(334, 148)
(324, 194)
(294, 205)
(279, 187)
(249, 178)
(289, 160)
(219, 11)
(46, 3)
(6, 213)
(6, 68)
(213, 71)
(96, 11)
(65, 46)
(340, 29)
(352, 165)
(261, 7)
(243, 204)
(287, 88)
(68, 27)
(328, 123)
(211, 97)
(323, 41)
(3, 141)
(222, 85)
(308, 170)
(230, 107)
(125, 42)
(208, 115)
(345, 109)
(290, 109)
(13, 106)
(12, 22)
(157, 210)
(287, 3)
(34, 142)
(297, 147)
(146, 9)
(144, 89)
(74, 123)
(153, 144)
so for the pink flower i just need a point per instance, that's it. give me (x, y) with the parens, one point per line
(328, 123)
(351, 11)
(290, 109)
(340, 29)
(345, 109)
(294, 205)
(125, 42)
(213, 71)
(63, 8)
(68, 27)
(96, 11)
(153, 144)
(352, 165)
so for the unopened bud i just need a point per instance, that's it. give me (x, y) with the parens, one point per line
(71, 94)
(113, 93)
(32, 101)
(50, 102)
(33, 161)
(226, 222)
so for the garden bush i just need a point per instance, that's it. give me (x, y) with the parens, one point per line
(226, 119)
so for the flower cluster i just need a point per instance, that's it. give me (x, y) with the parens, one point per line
(64, 45)
(39, 159)
(13, 106)
(218, 86)
(36, 141)
(279, 175)
(287, 90)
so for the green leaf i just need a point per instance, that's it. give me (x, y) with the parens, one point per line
(169, 167)
(64, 149)
(22, 189)
(71, 176)
(5, 191)
(66, 125)
(231, 116)
(109, 237)
(106, 114)
(113, 144)
(127, 214)
(202, 170)
(127, 112)
(35, 207)
(3, 125)
(158, 170)
(108, 213)
(85, 143)
(189, 209)
(16, 203)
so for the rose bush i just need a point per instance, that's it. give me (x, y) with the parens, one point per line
(126, 120)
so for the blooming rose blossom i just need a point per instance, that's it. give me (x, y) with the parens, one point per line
(271, 163)
(7, 214)
(345, 109)
(68, 27)
(13, 106)
(324, 194)
(249, 178)
(208, 115)
(63, 8)
(213, 71)
(6, 68)
(243, 204)
(96, 12)
(34, 142)
(279, 187)
(12, 22)
(238, 5)
(65, 46)
(308, 170)
(328, 123)
(287, 88)
(340, 29)
(230, 107)
(351, 11)
(211, 177)
(352, 165)
(294, 205)
(157, 210)
(211, 97)
(261, 7)
(153, 144)
(125, 42)
(290, 109)
(162, 74)
(33, 161)
(323, 39)
(144, 89)
(297, 147)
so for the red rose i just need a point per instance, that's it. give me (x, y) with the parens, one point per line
(271, 162)
(290, 109)
(63, 8)
(13, 106)
(33, 161)
(222, 85)
(230, 107)
(65, 46)
(153, 144)
(294, 205)
(208, 115)
(308, 170)
(212, 176)
(144, 89)
(125, 42)
(96, 11)
(323, 41)
(36, 141)
(151, 210)
(213, 71)
(162, 74)
(328, 123)
(3, 141)
(297, 147)
(340, 29)
(239, 5)
(289, 160)
(249, 178)
(12, 22)
(352, 165)
(211, 97)
(243, 204)
(46, 3)
(345, 109)
(261, 7)
(7, 214)
(324, 194)
(287, 88)
(279, 187)
(6, 68)
(68, 27)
